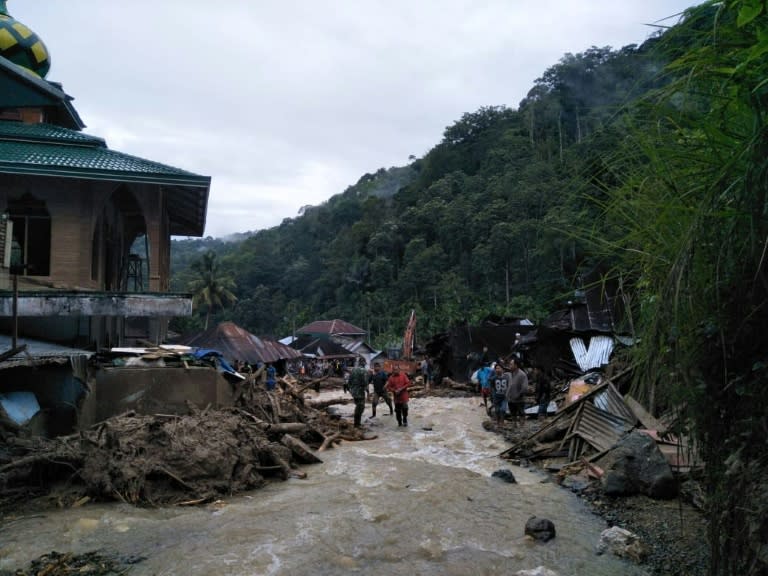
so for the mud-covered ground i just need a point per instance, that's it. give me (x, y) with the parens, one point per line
(673, 531)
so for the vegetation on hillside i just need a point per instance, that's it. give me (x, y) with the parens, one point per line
(648, 163)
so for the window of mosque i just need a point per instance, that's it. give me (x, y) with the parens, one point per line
(31, 242)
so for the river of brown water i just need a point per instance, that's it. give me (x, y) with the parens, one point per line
(414, 501)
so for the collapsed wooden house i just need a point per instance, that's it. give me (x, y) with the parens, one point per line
(588, 427)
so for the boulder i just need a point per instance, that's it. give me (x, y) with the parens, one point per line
(540, 529)
(506, 475)
(637, 466)
(622, 543)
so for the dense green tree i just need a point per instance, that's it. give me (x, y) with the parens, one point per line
(686, 224)
(211, 290)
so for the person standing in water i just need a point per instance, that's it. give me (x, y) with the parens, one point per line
(358, 387)
(398, 383)
(379, 381)
(499, 388)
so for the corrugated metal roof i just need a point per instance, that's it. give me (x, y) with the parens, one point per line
(331, 327)
(596, 355)
(600, 429)
(321, 347)
(610, 400)
(236, 343)
(360, 347)
(38, 352)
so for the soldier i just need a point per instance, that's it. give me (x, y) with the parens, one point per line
(358, 387)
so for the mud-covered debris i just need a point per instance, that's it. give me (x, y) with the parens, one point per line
(164, 459)
(87, 564)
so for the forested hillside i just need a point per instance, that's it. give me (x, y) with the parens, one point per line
(648, 163)
(479, 225)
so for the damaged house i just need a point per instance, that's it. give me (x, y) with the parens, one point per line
(332, 339)
(85, 231)
(574, 340)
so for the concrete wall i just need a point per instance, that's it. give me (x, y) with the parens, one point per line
(153, 391)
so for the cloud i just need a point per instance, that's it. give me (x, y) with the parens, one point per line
(286, 103)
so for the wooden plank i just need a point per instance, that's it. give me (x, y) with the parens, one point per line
(645, 418)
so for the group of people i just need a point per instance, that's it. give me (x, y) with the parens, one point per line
(507, 386)
(396, 383)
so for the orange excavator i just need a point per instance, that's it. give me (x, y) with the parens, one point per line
(405, 364)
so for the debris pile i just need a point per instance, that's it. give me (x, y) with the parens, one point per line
(598, 434)
(167, 459)
(87, 564)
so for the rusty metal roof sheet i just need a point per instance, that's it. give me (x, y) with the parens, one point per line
(236, 343)
(331, 328)
(598, 428)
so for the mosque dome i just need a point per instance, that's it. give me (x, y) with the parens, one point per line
(22, 46)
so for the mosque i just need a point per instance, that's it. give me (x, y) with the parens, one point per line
(85, 231)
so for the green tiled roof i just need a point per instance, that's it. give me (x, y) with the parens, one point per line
(21, 88)
(49, 150)
(46, 132)
(44, 149)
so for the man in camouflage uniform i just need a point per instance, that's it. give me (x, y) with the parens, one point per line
(358, 387)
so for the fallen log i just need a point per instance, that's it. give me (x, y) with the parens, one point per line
(326, 403)
(276, 413)
(284, 467)
(75, 463)
(312, 383)
(349, 438)
(299, 449)
(329, 440)
(12, 352)
(286, 427)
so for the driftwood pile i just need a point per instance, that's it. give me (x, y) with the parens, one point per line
(166, 459)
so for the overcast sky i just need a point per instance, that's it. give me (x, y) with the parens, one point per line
(285, 103)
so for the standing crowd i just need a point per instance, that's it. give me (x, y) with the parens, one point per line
(503, 387)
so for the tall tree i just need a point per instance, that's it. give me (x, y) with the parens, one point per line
(211, 290)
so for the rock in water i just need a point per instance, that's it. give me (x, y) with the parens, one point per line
(540, 529)
(505, 475)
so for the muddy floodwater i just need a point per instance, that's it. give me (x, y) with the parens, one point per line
(415, 501)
